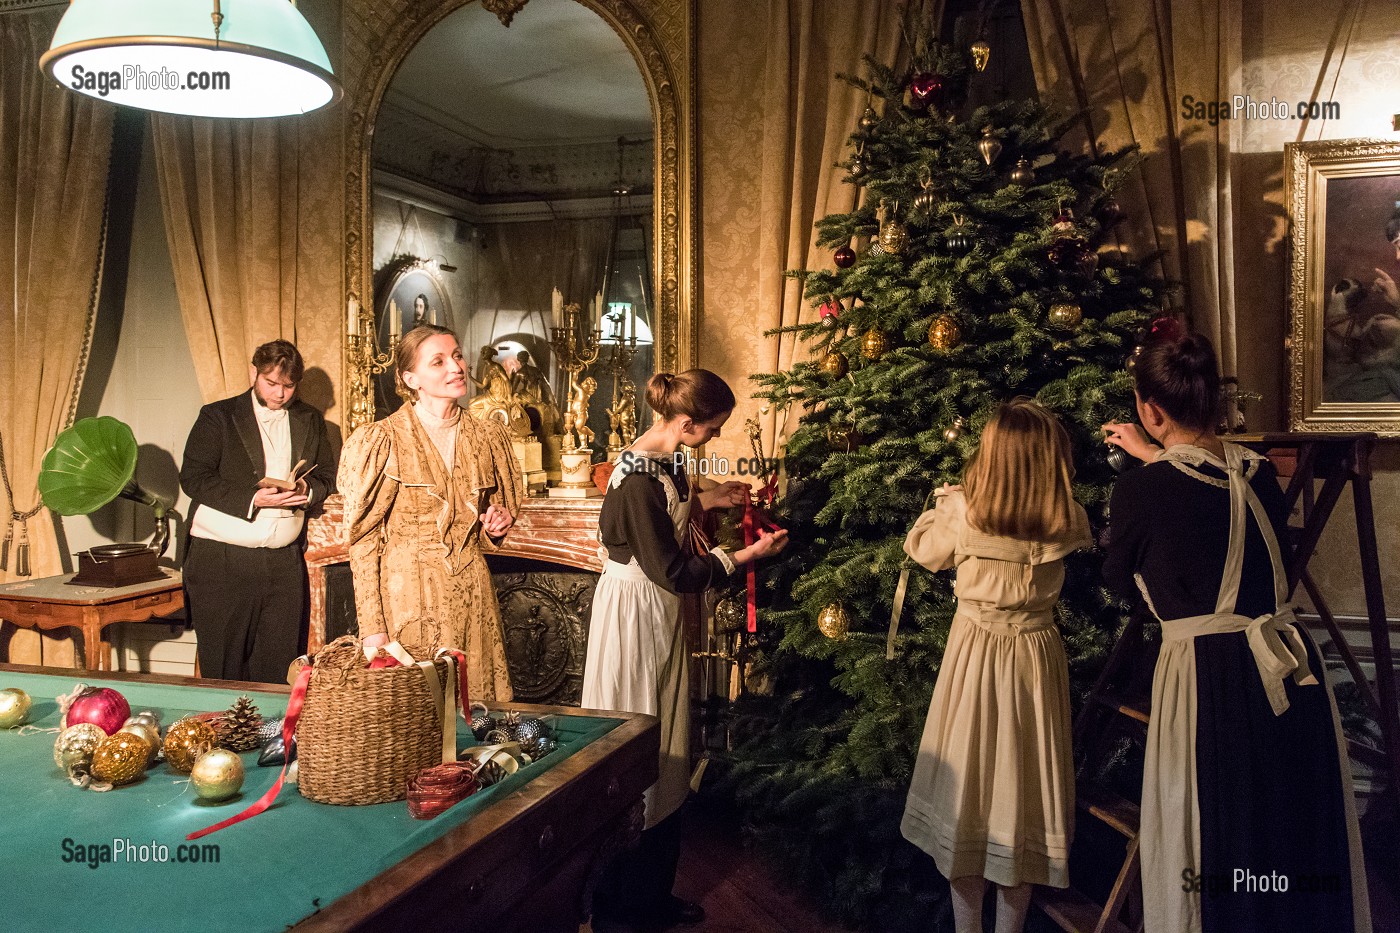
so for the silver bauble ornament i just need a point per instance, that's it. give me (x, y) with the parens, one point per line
(869, 118)
(76, 744)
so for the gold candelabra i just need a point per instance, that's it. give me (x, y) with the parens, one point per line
(576, 348)
(363, 362)
(622, 415)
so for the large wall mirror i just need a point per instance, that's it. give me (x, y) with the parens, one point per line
(515, 172)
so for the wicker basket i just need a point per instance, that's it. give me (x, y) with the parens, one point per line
(363, 733)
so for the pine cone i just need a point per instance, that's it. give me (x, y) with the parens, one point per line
(238, 727)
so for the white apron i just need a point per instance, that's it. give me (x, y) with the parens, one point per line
(637, 660)
(1171, 820)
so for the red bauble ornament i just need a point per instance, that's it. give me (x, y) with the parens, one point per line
(845, 257)
(104, 707)
(831, 312)
(924, 88)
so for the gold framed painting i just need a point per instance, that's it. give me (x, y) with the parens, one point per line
(1343, 203)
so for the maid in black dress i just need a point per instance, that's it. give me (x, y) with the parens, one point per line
(1248, 818)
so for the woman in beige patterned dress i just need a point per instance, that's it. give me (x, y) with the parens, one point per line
(426, 492)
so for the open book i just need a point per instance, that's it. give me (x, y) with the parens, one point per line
(286, 485)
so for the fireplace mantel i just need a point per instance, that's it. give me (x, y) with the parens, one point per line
(555, 531)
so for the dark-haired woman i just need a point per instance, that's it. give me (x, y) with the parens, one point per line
(637, 659)
(426, 492)
(1248, 819)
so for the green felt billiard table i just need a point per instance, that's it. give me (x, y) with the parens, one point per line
(519, 855)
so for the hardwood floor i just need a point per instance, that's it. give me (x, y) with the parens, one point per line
(738, 890)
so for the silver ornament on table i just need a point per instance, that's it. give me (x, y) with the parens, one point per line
(76, 744)
(275, 752)
(1023, 174)
(497, 736)
(529, 732)
(142, 728)
(544, 746)
(269, 729)
(149, 717)
(482, 723)
(509, 724)
(989, 145)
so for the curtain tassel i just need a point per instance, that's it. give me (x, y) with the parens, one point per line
(5, 549)
(22, 551)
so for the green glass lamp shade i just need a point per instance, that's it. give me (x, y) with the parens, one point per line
(164, 55)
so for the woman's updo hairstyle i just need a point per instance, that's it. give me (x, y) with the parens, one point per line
(698, 394)
(406, 356)
(1177, 371)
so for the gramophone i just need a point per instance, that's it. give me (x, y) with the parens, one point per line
(89, 465)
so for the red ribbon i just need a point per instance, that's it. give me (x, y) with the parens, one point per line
(289, 729)
(755, 521)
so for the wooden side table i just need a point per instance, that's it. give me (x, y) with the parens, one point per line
(51, 602)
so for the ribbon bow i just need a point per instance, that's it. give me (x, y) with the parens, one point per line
(1279, 651)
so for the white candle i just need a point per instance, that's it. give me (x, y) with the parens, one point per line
(395, 319)
(598, 310)
(556, 307)
(353, 325)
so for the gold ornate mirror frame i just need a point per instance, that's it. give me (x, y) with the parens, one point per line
(660, 34)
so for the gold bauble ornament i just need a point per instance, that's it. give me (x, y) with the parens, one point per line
(217, 774)
(833, 621)
(981, 54)
(894, 237)
(14, 707)
(989, 145)
(874, 345)
(731, 615)
(944, 333)
(869, 118)
(120, 759)
(142, 729)
(186, 741)
(76, 744)
(835, 364)
(1066, 314)
(1023, 174)
(954, 430)
(841, 436)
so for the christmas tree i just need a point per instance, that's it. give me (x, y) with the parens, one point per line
(974, 270)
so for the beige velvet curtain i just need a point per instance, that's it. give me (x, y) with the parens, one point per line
(55, 149)
(773, 122)
(1128, 64)
(231, 219)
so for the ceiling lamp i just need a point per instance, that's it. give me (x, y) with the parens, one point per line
(238, 58)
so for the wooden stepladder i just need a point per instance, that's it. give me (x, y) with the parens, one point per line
(1118, 706)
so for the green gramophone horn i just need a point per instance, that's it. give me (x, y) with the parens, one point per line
(91, 464)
